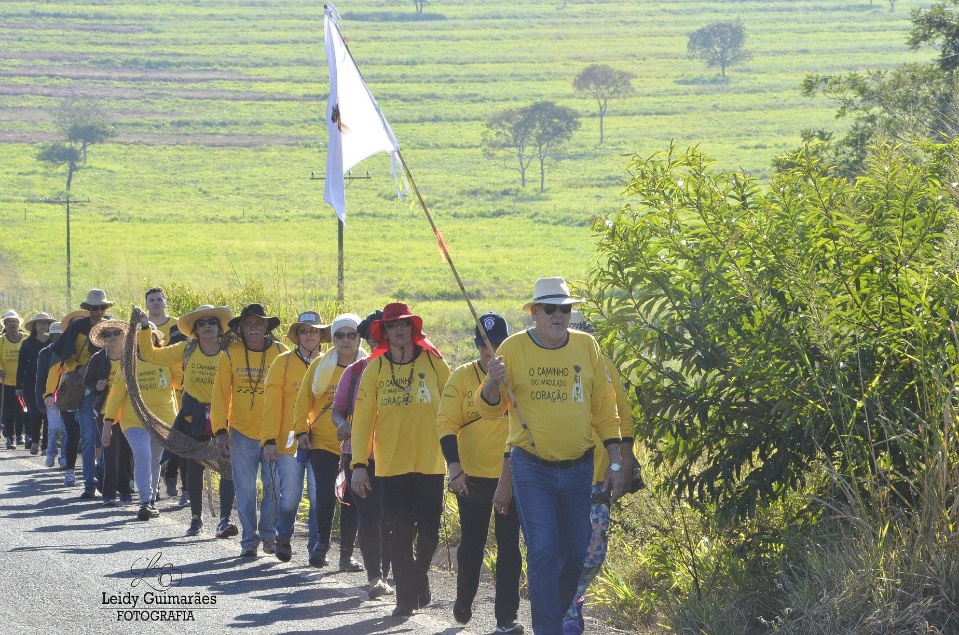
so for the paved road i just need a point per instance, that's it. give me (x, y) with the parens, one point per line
(65, 560)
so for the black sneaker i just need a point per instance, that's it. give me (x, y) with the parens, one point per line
(171, 489)
(226, 529)
(318, 560)
(402, 612)
(196, 524)
(462, 612)
(284, 551)
(424, 599)
(351, 565)
(144, 513)
(154, 512)
(89, 492)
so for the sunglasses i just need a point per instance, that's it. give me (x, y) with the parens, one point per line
(99, 309)
(345, 336)
(307, 331)
(392, 325)
(116, 333)
(550, 309)
(208, 322)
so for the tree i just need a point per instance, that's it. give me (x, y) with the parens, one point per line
(59, 154)
(537, 131)
(719, 44)
(84, 122)
(602, 83)
(938, 27)
(770, 329)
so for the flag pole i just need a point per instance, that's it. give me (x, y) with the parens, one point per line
(444, 249)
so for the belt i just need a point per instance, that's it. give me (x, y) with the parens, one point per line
(562, 464)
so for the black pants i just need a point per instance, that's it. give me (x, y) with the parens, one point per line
(193, 473)
(475, 511)
(73, 437)
(372, 528)
(14, 418)
(36, 416)
(326, 466)
(413, 504)
(117, 459)
(171, 466)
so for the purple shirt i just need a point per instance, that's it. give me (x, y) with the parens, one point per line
(343, 400)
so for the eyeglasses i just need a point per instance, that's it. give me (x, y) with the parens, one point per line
(346, 336)
(550, 309)
(116, 333)
(208, 322)
(392, 325)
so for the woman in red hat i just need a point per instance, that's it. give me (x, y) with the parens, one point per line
(396, 406)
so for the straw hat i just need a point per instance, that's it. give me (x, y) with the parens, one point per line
(578, 322)
(12, 315)
(37, 317)
(70, 317)
(96, 297)
(186, 323)
(256, 309)
(550, 291)
(95, 332)
(313, 320)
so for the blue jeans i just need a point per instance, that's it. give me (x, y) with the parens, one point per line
(290, 473)
(246, 455)
(147, 451)
(326, 466)
(55, 430)
(89, 420)
(553, 505)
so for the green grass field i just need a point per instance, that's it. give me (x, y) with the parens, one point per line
(220, 104)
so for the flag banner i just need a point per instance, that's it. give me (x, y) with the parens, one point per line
(356, 125)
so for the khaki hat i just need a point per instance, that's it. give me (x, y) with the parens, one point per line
(55, 329)
(577, 321)
(313, 320)
(96, 297)
(70, 317)
(550, 291)
(187, 323)
(37, 317)
(95, 332)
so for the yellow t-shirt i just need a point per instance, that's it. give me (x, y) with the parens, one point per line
(165, 328)
(10, 358)
(200, 372)
(480, 441)
(157, 385)
(395, 414)
(82, 354)
(282, 386)
(238, 388)
(314, 413)
(563, 395)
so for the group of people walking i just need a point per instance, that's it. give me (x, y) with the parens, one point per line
(535, 433)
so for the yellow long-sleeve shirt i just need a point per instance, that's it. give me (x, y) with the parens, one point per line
(82, 354)
(314, 413)
(283, 384)
(563, 394)
(624, 411)
(10, 358)
(54, 376)
(396, 406)
(480, 441)
(238, 388)
(200, 372)
(157, 386)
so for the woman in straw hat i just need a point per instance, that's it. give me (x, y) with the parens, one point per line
(157, 384)
(236, 415)
(199, 358)
(38, 327)
(563, 393)
(47, 381)
(473, 448)
(284, 382)
(13, 416)
(68, 419)
(396, 407)
(372, 529)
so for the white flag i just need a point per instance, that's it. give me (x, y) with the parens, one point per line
(356, 125)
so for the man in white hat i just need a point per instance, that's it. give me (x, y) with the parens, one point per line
(13, 416)
(563, 394)
(75, 349)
